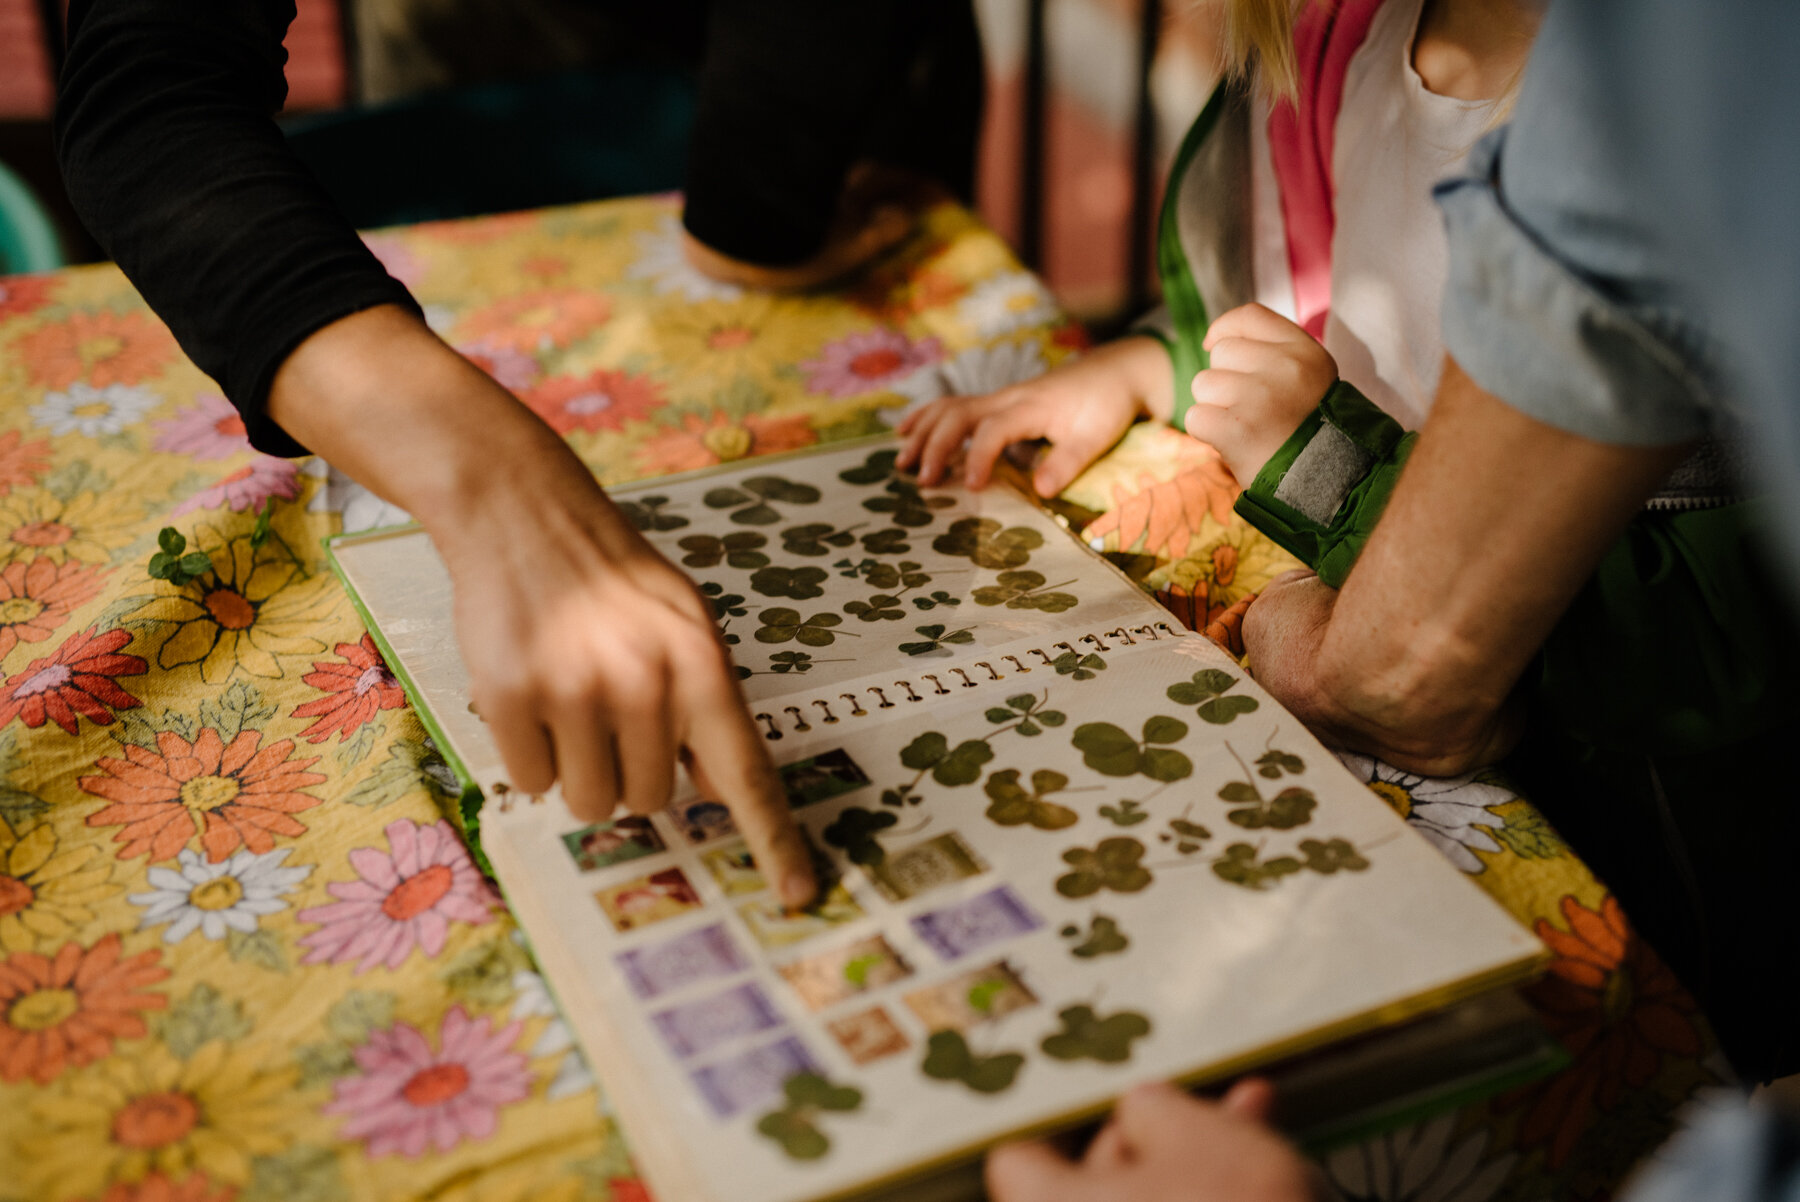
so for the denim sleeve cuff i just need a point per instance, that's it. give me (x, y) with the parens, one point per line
(1527, 327)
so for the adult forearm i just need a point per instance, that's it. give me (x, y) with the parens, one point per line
(173, 160)
(1495, 525)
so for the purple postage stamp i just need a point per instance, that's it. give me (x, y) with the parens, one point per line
(700, 955)
(704, 1023)
(968, 926)
(752, 1077)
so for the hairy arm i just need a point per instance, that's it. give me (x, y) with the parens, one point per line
(1493, 528)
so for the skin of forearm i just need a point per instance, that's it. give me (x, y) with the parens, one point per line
(1495, 525)
(385, 400)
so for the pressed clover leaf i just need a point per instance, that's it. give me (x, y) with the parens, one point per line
(938, 597)
(1013, 805)
(170, 564)
(1087, 1036)
(814, 538)
(739, 549)
(798, 583)
(795, 1125)
(1271, 764)
(881, 607)
(1081, 667)
(647, 514)
(724, 604)
(1104, 938)
(887, 542)
(783, 662)
(1329, 856)
(1114, 864)
(1207, 691)
(1241, 865)
(949, 1058)
(948, 766)
(750, 504)
(1288, 809)
(797, 1134)
(937, 641)
(905, 505)
(1111, 752)
(873, 470)
(983, 541)
(855, 830)
(781, 625)
(1024, 590)
(1126, 813)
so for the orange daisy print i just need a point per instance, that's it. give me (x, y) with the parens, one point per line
(66, 1010)
(21, 462)
(37, 597)
(545, 320)
(98, 349)
(601, 400)
(231, 795)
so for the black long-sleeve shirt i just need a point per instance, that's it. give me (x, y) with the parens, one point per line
(166, 133)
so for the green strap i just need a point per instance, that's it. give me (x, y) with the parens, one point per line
(1182, 296)
(1331, 547)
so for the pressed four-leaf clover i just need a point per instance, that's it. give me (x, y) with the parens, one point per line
(986, 544)
(1114, 864)
(782, 625)
(1011, 804)
(750, 504)
(739, 549)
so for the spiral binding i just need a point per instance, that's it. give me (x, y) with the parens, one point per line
(933, 684)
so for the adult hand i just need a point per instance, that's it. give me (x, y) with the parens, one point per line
(877, 211)
(1163, 1145)
(593, 659)
(1267, 374)
(1083, 408)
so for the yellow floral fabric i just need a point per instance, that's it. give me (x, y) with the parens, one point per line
(242, 953)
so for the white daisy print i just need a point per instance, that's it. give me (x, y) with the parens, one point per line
(1451, 812)
(533, 1000)
(661, 262)
(986, 369)
(216, 899)
(95, 412)
(1001, 304)
(361, 509)
(1418, 1164)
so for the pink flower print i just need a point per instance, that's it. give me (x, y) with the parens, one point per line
(209, 429)
(870, 361)
(408, 1096)
(402, 899)
(512, 369)
(249, 486)
(400, 259)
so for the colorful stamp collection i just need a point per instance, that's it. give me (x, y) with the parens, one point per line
(725, 1031)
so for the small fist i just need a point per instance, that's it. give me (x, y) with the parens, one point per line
(1267, 375)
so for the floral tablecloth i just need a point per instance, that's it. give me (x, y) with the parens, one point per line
(243, 955)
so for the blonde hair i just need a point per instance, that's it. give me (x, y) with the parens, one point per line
(1259, 46)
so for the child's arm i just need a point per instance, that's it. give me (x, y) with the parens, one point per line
(1083, 408)
(1318, 458)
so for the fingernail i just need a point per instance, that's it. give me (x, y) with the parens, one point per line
(797, 890)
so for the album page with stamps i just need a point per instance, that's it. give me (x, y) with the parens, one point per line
(1066, 846)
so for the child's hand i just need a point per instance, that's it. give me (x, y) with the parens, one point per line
(1267, 374)
(1083, 408)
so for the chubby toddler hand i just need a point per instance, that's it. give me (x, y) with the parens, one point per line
(1267, 374)
(1083, 408)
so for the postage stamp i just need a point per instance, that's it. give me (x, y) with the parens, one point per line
(753, 1077)
(734, 869)
(937, 861)
(868, 1035)
(827, 978)
(682, 960)
(646, 899)
(608, 843)
(978, 996)
(699, 821)
(774, 927)
(822, 777)
(967, 926)
(691, 1028)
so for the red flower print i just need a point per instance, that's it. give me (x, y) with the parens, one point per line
(355, 691)
(232, 795)
(20, 294)
(1617, 1009)
(78, 679)
(36, 598)
(601, 400)
(21, 463)
(66, 1010)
